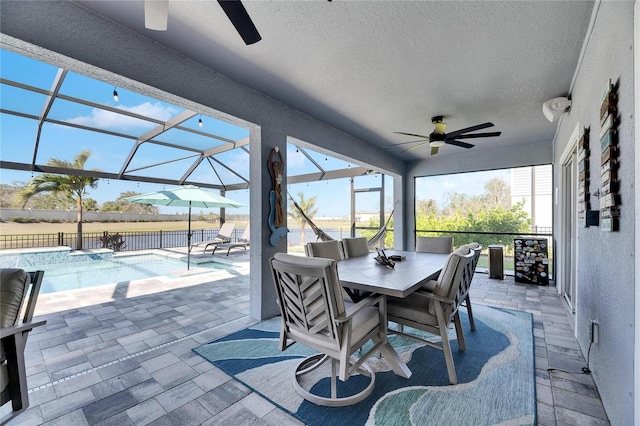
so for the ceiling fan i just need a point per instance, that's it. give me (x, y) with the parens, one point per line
(156, 13)
(438, 137)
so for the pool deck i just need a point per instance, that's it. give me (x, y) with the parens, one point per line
(121, 354)
(181, 278)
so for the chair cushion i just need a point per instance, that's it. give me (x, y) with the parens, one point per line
(367, 319)
(412, 307)
(326, 249)
(442, 245)
(355, 247)
(14, 284)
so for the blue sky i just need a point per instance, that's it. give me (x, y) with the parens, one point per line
(472, 183)
(18, 135)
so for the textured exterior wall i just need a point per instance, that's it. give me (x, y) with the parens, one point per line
(605, 281)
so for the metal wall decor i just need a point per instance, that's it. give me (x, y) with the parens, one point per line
(609, 198)
(531, 261)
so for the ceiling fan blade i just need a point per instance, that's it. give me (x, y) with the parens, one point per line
(404, 143)
(459, 143)
(476, 135)
(470, 129)
(416, 146)
(434, 150)
(156, 14)
(412, 134)
(241, 20)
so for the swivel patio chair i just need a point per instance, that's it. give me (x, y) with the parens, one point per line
(223, 236)
(442, 245)
(355, 247)
(18, 295)
(433, 311)
(315, 314)
(327, 249)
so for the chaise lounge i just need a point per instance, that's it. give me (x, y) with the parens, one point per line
(224, 236)
(242, 242)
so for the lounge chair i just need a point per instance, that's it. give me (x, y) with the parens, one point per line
(224, 236)
(242, 242)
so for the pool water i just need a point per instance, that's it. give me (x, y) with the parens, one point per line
(90, 273)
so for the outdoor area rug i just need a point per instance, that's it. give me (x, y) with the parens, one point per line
(496, 375)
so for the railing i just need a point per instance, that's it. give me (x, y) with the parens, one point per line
(486, 238)
(135, 240)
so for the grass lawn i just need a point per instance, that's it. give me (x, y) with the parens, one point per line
(13, 228)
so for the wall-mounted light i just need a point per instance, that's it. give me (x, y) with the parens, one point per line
(115, 95)
(200, 121)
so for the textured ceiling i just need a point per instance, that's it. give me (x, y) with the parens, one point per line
(371, 68)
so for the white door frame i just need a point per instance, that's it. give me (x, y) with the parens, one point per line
(566, 277)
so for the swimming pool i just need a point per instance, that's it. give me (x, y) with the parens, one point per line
(90, 271)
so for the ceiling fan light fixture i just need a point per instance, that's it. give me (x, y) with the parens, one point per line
(436, 143)
(440, 128)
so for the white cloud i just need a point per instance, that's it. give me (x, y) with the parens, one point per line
(295, 160)
(109, 120)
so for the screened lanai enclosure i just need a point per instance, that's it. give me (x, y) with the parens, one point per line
(144, 142)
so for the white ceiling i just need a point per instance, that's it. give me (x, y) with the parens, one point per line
(371, 68)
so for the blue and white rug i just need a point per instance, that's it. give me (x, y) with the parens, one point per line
(496, 376)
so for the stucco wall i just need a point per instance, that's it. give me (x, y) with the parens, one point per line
(605, 277)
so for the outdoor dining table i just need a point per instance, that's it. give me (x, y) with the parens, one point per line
(365, 274)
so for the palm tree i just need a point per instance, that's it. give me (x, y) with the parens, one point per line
(308, 207)
(71, 186)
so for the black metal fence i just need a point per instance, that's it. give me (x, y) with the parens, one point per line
(505, 239)
(135, 240)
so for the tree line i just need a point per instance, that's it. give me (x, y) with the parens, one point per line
(66, 191)
(464, 214)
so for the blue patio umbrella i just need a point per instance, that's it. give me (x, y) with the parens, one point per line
(185, 196)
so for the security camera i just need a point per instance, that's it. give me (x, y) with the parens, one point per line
(554, 108)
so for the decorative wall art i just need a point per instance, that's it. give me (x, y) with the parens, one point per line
(584, 198)
(276, 213)
(531, 261)
(609, 198)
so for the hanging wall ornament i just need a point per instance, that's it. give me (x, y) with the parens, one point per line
(609, 198)
(276, 212)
